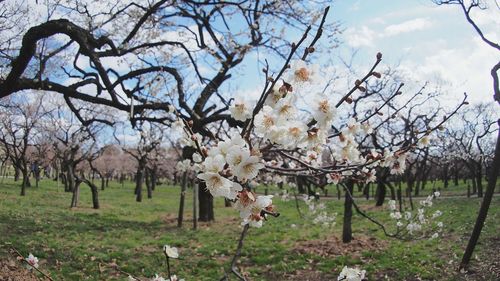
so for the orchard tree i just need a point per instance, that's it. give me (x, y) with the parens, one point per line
(75, 145)
(144, 152)
(472, 142)
(19, 120)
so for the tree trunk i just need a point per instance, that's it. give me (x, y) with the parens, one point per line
(479, 180)
(417, 188)
(17, 173)
(70, 178)
(148, 183)
(347, 226)
(23, 186)
(445, 176)
(409, 190)
(485, 205)
(154, 179)
(393, 191)
(138, 184)
(366, 191)
(380, 193)
(474, 185)
(95, 195)
(180, 217)
(76, 194)
(206, 203)
(195, 206)
(62, 176)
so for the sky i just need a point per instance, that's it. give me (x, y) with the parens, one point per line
(424, 41)
(428, 42)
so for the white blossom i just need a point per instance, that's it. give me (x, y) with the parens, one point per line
(351, 274)
(240, 111)
(32, 261)
(248, 168)
(171, 252)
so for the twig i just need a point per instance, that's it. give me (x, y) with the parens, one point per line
(168, 267)
(234, 269)
(21, 258)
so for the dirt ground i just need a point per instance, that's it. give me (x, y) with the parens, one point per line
(12, 270)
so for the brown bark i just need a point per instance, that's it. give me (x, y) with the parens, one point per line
(347, 225)
(206, 203)
(180, 217)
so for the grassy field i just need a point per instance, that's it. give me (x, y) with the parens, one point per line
(84, 244)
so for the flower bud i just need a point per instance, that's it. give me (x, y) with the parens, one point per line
(342, 137)
(376, 74)
(190, 123)
(379, 56)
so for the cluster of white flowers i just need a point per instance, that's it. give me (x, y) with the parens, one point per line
(395, 160)
(346, 149)
(351, 274)
(279, 120)
(227, 165)
(187, 165)
(253, 208)
(183, 166)
(415, 223)
(240, 111)
(32, 261)
(318, 213)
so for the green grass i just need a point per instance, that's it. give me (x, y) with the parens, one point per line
(79, 243)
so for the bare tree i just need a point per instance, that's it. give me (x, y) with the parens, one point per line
(19, 121)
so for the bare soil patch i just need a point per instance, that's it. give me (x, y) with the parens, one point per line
(334, 247)
(11, 270)
(302, 275)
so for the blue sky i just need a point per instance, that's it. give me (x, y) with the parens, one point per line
(428, 43)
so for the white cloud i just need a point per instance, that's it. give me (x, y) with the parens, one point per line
(407, 26)
(461, 69)
(357, 37)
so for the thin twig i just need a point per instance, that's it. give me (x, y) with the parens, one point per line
(234, 269)
(21, 258)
